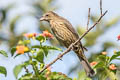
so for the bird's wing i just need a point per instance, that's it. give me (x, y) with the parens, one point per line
(70, 27)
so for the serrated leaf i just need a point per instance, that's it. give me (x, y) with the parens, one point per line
(36, 46)
(3, 70)
(27, 77)
(115, 56)
(112, 21)
(26, 63)
(23, 42)
(3, 53)
(102, 57)
(99, 65)
(58, 76)
(17, 70)
(26, 42)
(40, 56)
(41, 77)
(46, 52)
(47, 47)
(13, 50)
(41, 39)
(51, 48)
(34, 62)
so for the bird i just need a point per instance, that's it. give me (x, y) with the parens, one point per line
(66, 35)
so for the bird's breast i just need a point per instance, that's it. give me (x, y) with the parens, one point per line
(62, 33)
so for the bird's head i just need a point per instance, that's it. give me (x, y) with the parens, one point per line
(48, 16)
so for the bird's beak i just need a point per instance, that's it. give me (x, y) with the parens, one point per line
(42, 18)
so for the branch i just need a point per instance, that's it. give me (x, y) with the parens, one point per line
(101, 7)
(71, 46)
(26, 70)
(88, 18)
(34, 68)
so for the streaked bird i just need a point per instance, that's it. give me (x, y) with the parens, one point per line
(66, 35)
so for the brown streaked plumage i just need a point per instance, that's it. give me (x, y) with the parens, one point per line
(67, 35)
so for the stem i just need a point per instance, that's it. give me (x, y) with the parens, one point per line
(34, 67)
(26, 70)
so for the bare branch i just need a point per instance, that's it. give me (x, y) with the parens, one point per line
(88, 18)
(101, 7)
(26, 70)
(71, 46)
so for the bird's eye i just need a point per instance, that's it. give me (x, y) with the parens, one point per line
(47, 15)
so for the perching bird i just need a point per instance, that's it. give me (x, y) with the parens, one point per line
(66, 35)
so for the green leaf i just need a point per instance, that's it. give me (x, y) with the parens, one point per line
(41, 39)
(30, 76)
(45, 52)
(3, 53)
(3, 70)
(47, 47)
(113, 21)
(99, 65)
(13, 50)
(115, 56)
(26, 77)
(51, 48)
(26, 63)
(41, 77)
(34, 62)
(25, 42)
(40, 56)
(58, 76)
(36, 46)
(17, 70)
(102, 57)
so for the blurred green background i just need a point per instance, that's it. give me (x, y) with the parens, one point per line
(22, 16)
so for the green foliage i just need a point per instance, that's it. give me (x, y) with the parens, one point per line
(3, 70)
(3, 53)
(104, 67)
(41, 38)
(36, 54)
(115, 56)
(40, 56)
(17, 70)
(13, 50)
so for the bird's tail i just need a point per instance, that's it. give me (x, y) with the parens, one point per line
(88, 69)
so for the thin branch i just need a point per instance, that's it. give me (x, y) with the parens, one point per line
(88, 18)
(101, 7)
(34, 68)
(26, 70)
(71, 46)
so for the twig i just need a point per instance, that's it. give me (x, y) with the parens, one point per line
(34, 68)
(88, 18)
(70, 47)
(101, 7)
(26, 70)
